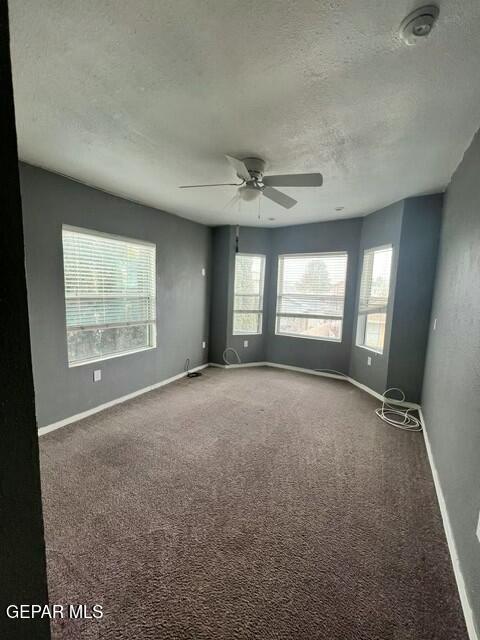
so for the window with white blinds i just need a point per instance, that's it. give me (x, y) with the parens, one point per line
(248, 294)
(373, 300)
(311, 295)
(109, 295)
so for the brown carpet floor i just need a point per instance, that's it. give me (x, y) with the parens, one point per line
(249, 503)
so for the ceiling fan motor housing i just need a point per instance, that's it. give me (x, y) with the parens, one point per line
(255, 167)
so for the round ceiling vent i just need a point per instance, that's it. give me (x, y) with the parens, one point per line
(418, 24)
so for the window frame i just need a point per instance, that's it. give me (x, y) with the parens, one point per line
(152, 326)
(260, 311)
(361, 321)
(307, 315)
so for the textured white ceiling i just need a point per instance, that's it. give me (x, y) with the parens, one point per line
(138, 97)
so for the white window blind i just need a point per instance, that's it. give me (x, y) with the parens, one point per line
(311, 295)
(248, 296)
(109, 295)
(373, 300)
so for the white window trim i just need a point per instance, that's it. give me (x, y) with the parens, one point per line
(298, 335)
(103, 234)
(110, 357)
(362, 346)
(152, 325)
(259, 311)
(383, 309)
(293, 315)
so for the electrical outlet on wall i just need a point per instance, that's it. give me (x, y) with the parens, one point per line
(97, 375)
(369, 361)
(204, 344)
(203, 271)
(245, 343)
(478, 528)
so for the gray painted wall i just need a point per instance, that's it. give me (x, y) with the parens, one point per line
(378, 229)
(220, 274)
(251, 240)
(413, 293)
(183, 304)
(410, 226)
(338, 235)
(325, 236)
(183, 248)
(451, 391)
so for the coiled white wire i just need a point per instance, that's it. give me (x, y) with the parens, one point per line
(395, 415)
(225, 357)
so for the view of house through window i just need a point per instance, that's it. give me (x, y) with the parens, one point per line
(311, 295)
(373, 302)
(109, 295)
(248, 297)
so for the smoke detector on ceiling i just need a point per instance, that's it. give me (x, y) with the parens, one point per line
(419, 24)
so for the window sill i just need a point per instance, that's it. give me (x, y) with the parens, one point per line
(362, 346)
(73, 365)
(239, 335)
(297, 335)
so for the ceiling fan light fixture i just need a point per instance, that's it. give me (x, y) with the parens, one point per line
(249, 192)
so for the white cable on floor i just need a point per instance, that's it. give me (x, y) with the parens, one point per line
(395, 415)
(236, 354)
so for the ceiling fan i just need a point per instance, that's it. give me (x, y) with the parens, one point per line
(253, 183)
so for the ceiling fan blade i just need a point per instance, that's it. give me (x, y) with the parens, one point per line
(280, 198)
(294, 180)
(220, 184)
(240, 168)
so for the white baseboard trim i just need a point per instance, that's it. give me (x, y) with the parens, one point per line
(452, 547)
(238, 365)
(84, 414)
(313, 372)
(375, 394)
